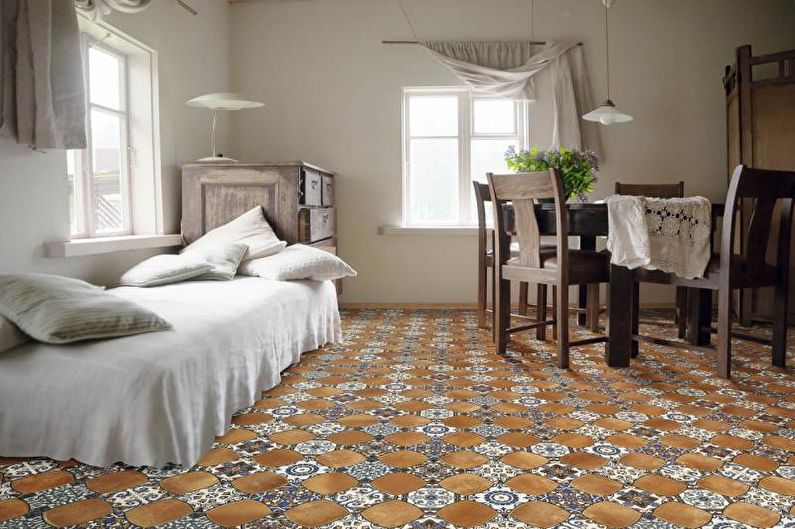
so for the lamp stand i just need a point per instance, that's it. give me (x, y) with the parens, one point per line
(214, 157)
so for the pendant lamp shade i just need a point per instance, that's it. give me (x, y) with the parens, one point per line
(216, 101)
(607, 114)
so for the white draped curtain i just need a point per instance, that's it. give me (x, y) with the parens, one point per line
(42, 97)
(98, 8)
(512, 69)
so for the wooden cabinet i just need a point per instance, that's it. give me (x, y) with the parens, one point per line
(297, 197)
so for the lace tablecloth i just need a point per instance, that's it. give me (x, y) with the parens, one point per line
(672, 234)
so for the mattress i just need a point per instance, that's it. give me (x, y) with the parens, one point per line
(162, 397)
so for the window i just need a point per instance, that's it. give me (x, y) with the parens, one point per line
(450, 138)
(114, 182)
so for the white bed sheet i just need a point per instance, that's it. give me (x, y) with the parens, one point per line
(160, 398)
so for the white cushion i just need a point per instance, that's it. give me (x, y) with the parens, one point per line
(164, 269)
(224, 259)
(298, 262)
(56, 309)
(250, 228)
(10, 335)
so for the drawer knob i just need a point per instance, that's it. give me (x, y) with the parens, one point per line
(314, 184)
(325, 217)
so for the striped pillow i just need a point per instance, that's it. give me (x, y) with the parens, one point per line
(55, 309)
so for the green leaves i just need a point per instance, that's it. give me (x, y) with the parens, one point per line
(576, 168)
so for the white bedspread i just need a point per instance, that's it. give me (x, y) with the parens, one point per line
(157, 398)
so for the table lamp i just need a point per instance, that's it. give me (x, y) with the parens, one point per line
(221, 101)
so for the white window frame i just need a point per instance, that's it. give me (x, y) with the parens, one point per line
(140, 168)
(466, 100)
(84, 163)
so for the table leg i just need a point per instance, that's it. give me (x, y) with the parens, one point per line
(699, 316)
(619, 344)
(586, 243)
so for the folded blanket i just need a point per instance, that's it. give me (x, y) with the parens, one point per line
(672, 234)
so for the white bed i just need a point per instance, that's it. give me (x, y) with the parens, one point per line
(160, 398)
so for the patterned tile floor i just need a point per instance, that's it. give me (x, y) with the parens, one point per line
(413, 422)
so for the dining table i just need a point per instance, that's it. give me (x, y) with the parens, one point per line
(586, 222)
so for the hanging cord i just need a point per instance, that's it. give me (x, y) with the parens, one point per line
(607, 52)
(408, 20)
(532, 20)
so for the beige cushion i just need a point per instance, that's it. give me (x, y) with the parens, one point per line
(298, 262)
(250, 228)
(55, 309)
(224, 259)
(10, 335)
(164, 269)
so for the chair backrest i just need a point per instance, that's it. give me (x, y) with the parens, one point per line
(651, 190)
(765, 188)
(522, 190)
(482, 195)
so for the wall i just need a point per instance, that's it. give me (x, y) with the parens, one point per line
(193, 54)
(333, 97)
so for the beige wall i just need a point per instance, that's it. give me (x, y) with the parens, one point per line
(193, 54)
(333, 97)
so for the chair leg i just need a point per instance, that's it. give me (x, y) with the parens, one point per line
(724, 347)
(554, 312)
(563, 326)
(502, 313)
(541, 311)
(635, 346)
(523, 288)
(482, 296)
(780, 326)
(592, 308)
(493, 304)
(681, 311)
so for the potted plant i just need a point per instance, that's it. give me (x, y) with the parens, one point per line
(576, 168)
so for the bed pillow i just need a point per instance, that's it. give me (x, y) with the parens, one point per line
(250, 228)
(223, 259)
(298, 262)
(55, 309)
(10, 335)
(164, 269)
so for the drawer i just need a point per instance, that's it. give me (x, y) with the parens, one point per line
(311, 187)
(328, 190)
(315, 224)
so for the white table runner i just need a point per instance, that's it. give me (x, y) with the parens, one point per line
(672, 234)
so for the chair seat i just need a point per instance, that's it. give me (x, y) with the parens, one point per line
(514, 252)
(585, 266)
(758, 276)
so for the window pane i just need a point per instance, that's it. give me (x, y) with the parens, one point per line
(103, 75)
(75, 207)
(494, 116)
(433, 116)
(488, 156)
(106, 134)
(434, 181)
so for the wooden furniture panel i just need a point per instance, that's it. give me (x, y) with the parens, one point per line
(760, 119)
(316, 224)
(328, 190)
(311, 184)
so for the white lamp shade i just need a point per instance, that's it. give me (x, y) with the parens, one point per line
(607, 114)
(223, 101)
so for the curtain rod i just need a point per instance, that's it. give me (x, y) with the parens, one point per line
(414, 42)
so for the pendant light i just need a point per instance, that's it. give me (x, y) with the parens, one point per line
(607, 113)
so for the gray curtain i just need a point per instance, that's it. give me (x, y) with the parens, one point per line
(512, 68)
(42, 96)
(98, 8)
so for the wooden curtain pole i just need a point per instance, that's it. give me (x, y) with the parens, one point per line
(414, 42)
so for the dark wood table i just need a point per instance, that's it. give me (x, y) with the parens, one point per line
(589, 221)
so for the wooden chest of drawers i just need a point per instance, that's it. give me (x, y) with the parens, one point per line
(298, 199)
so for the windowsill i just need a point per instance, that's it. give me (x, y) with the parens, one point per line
(99, 245)
(454, 231)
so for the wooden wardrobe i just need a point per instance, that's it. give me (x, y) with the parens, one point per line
(760, 125)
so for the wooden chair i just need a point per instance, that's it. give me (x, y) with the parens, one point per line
(729, 271)
(559, 267)
(658, 191)
(486, 261)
